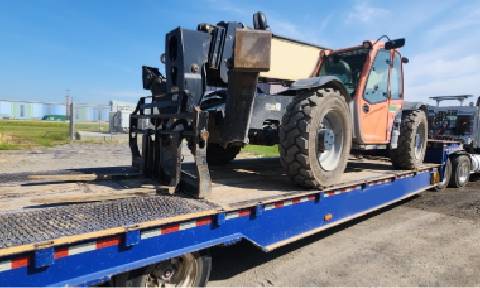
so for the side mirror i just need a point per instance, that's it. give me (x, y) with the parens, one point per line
(393, 44)
(405, 60)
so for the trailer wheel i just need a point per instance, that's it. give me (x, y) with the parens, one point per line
(217, 155)
(189, 270)
(412, 142)
(315, 138)
(446, 177)
(461, 172)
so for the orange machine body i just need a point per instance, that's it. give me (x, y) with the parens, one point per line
(373, 120)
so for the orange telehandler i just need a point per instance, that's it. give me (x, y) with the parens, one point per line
(227, 85)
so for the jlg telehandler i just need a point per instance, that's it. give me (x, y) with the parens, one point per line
(218, 94)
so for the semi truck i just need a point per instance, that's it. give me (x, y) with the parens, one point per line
(457, 123)
(160, 234)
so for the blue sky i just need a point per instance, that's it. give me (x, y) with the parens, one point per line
(96, 48)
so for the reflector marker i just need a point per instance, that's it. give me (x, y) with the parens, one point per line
(406, 175)
(327, 194)
(151, 233)
(146, 234)
(82, 248)
(284, 203)
(108, 242)
(64, 251)
(5, 265)
(376, 182)
(269, 206)
(236, 214)
(15, 263)
(187, 225)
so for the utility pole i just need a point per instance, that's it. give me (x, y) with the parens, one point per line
(68, 100)
(72, 121)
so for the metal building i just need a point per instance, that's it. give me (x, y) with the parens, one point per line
(29, 110)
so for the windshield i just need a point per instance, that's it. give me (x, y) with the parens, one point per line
(347, 66)
(450, 123)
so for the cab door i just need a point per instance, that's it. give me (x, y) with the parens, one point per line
(375, 101)
(395, 99)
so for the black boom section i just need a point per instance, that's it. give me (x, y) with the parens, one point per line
(185, 57)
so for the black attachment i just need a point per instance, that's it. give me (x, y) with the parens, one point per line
(153, 80)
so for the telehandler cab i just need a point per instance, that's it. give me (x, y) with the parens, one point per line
(218, 94)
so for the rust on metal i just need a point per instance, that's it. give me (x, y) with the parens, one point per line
(252, 50)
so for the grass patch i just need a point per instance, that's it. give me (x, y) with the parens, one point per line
(4, 146)
(19, 134)
(263, 151)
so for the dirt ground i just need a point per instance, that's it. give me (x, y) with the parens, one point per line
(64, 157)
(430, 240)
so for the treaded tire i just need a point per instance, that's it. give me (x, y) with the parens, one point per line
(447, 176)
(460, 178)
(141, 277)
(405, 156)
(299, 136)
(217, 155)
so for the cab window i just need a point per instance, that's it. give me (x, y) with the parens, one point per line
(396, 77)
(376, 88)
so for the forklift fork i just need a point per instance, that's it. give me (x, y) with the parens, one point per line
(161, 154)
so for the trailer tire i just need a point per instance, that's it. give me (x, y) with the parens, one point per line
(412, 142)
(308, 118)
(460, 172)
(198, 267)
(217, 155)
(446, 177)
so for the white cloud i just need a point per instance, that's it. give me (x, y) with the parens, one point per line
(442, 71)
(470, 18)
(363, 12)
(443, 87)
(449, 62)
(443, 68)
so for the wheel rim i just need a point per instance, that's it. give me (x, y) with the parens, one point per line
(446, 173)
(420, 141)
(463, 172)
(176, 272)
(329, 158)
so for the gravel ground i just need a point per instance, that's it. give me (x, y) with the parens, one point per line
(64, 157)
(429, 240)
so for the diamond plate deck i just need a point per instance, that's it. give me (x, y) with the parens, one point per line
(19, 228)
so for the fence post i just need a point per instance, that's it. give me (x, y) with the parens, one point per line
(72, 122)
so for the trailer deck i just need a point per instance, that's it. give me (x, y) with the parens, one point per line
(61, 221)
(240, 183)
(52, 206)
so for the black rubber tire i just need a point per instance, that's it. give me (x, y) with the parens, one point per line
(217, 155)
(140, 277)
(298, 137)
(457, 180)
(447, 176)
(404, 156)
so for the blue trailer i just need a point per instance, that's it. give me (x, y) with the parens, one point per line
(162, 239)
